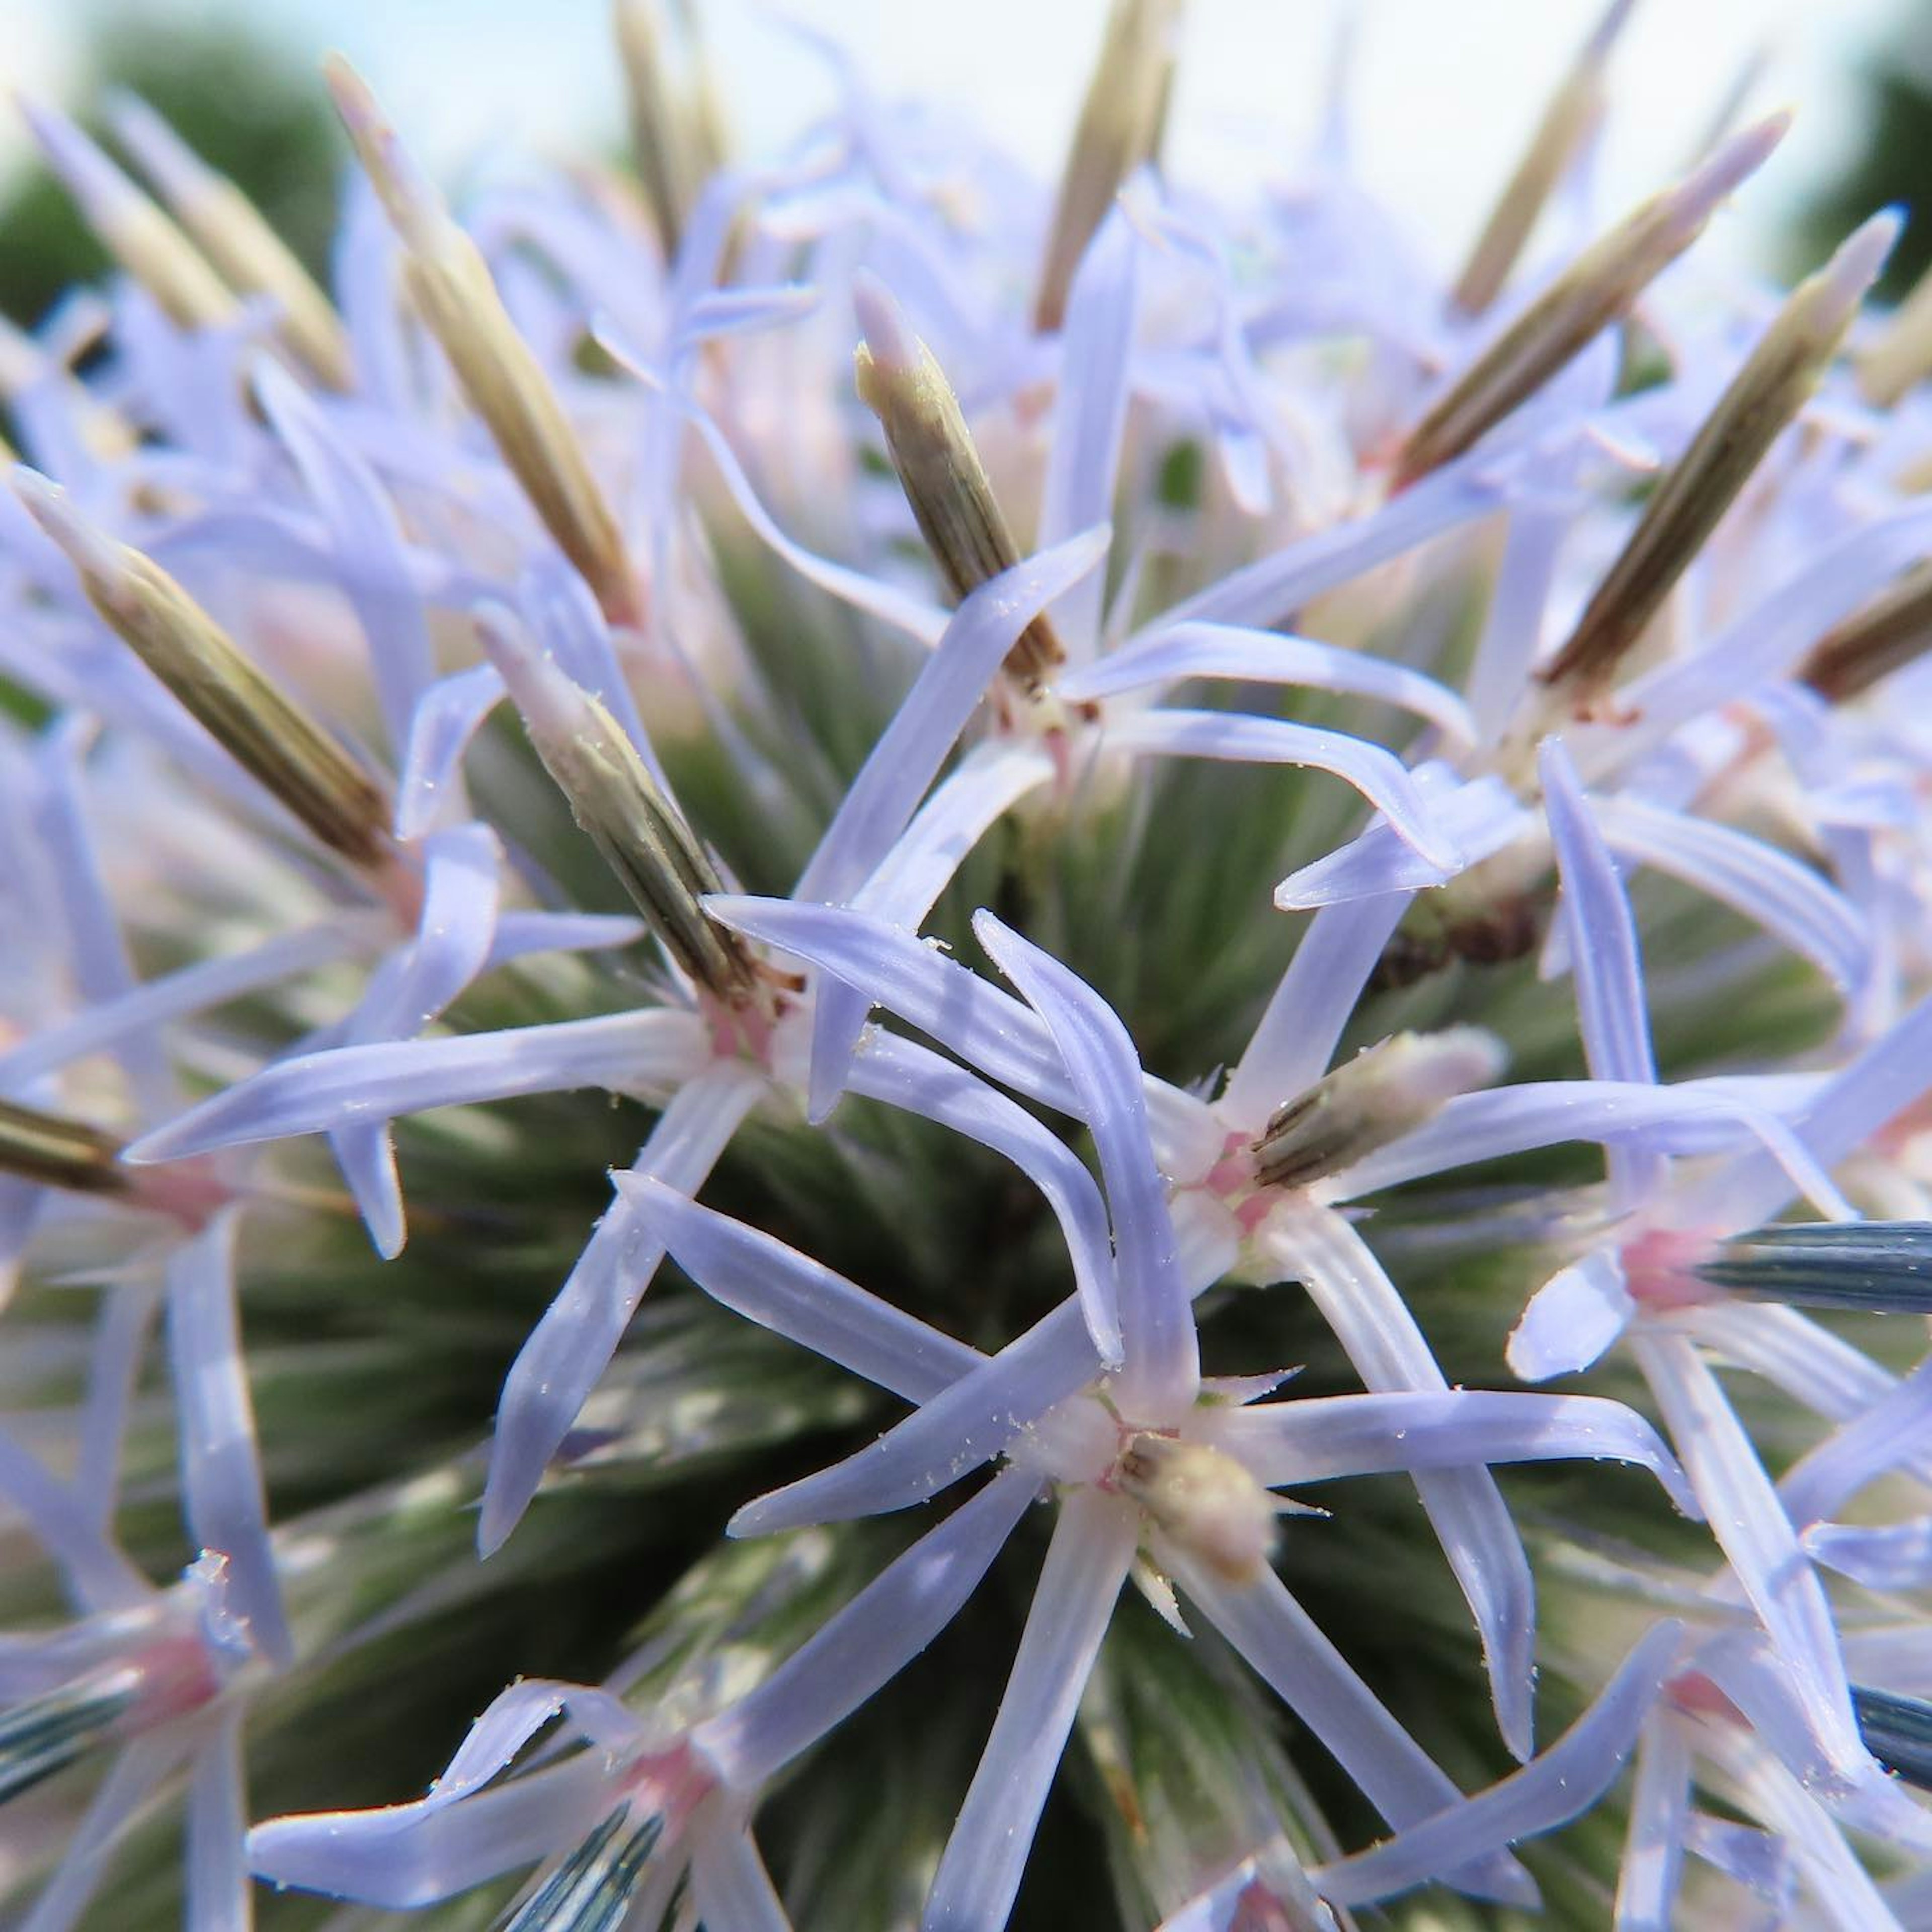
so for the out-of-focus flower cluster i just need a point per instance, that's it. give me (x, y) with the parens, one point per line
(1246, 936)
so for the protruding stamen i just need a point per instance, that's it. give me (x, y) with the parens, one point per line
(1898, 1731)
(1764, 396)
(1385, 1091)
(146, 243)
(1209, 1503)
(256, 722)
(1885, 1266)
(230, 229)
(1120, 127)
(50, 1148)
(675, 127)
(615, 800)
(939, 467)
(1567, 122)
(1901, 353)
(1890, 632)
(451, 285)
(1600, 286)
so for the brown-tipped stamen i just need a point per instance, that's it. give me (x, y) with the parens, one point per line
(1763, 397)
(626, 813)
(1567, 122)
(253, 720)
(1596, 289)
(1120, 127)
(60, 1153)
(939, 468)
(1901, 353)
(1889, 633)
(1384, 1092)
(676, 127)
(131, 227)
(230, 231)
(451, 286)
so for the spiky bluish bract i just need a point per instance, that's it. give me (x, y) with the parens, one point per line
(1079, 955)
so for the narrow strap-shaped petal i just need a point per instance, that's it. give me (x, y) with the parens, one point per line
(366, 1155)
(1089, 413)
(927, 725)
(1513, 626)
(1654, 1841)
(1572, 1318)
(991, 778)
(221, 1467)
(1471, 1522)
(1605, 961)
(1897, 1557)
(1751, 1527)
(1895, 1431)
(997, 1033)
(1693, 1117)
(1844, 1113)
(759, 1277)
(98, 1576)
(408, 1855)
(949, 1435)
(1482, 817)
(1562, 1782)
(1319, 1438)
(217, 1892)
(634, 1052)
(1297, 1035)
(1161, 1363)
(906, 1074)
(869, 1642)
(1283, 1645)
(447, 716)
(1269, 657)
(1273, 590)
(732, 1890)
(1834, 1875)
(1378, 775)
(367, 539)
(1755, 1859)
(135, 1774)
(121, 1332)
(520, 933)
(571, 1345)
(1086, 1562)
(196, 988)
(1765, 885)
(985, 785)
(924, 621)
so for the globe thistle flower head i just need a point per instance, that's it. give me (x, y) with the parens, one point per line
(751, 743)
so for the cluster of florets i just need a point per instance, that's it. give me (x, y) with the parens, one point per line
(1439, 769)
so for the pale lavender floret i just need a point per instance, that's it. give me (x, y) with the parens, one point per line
(1161, 1368)
(867, 1642)
(572, 1345)
(1605, 961)
(1564, 1781)
(313, 1092)
(131, 1780)
(366, 538)
(1655, 1836)
(1087, 1561)
(216, 1884)
(122, 1331)
(447, 716)
(221, 1466)
(1089, 413)
(1378, 775)
(1195, 650)
(1389, 1352)
(98, 1574)
(1284, 1646)
(1318, 1439)
(1894, 1432)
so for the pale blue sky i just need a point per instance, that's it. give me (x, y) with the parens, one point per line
(1447, 88)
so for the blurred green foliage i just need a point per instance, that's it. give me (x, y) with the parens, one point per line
(1894, 165)
(238, 99)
